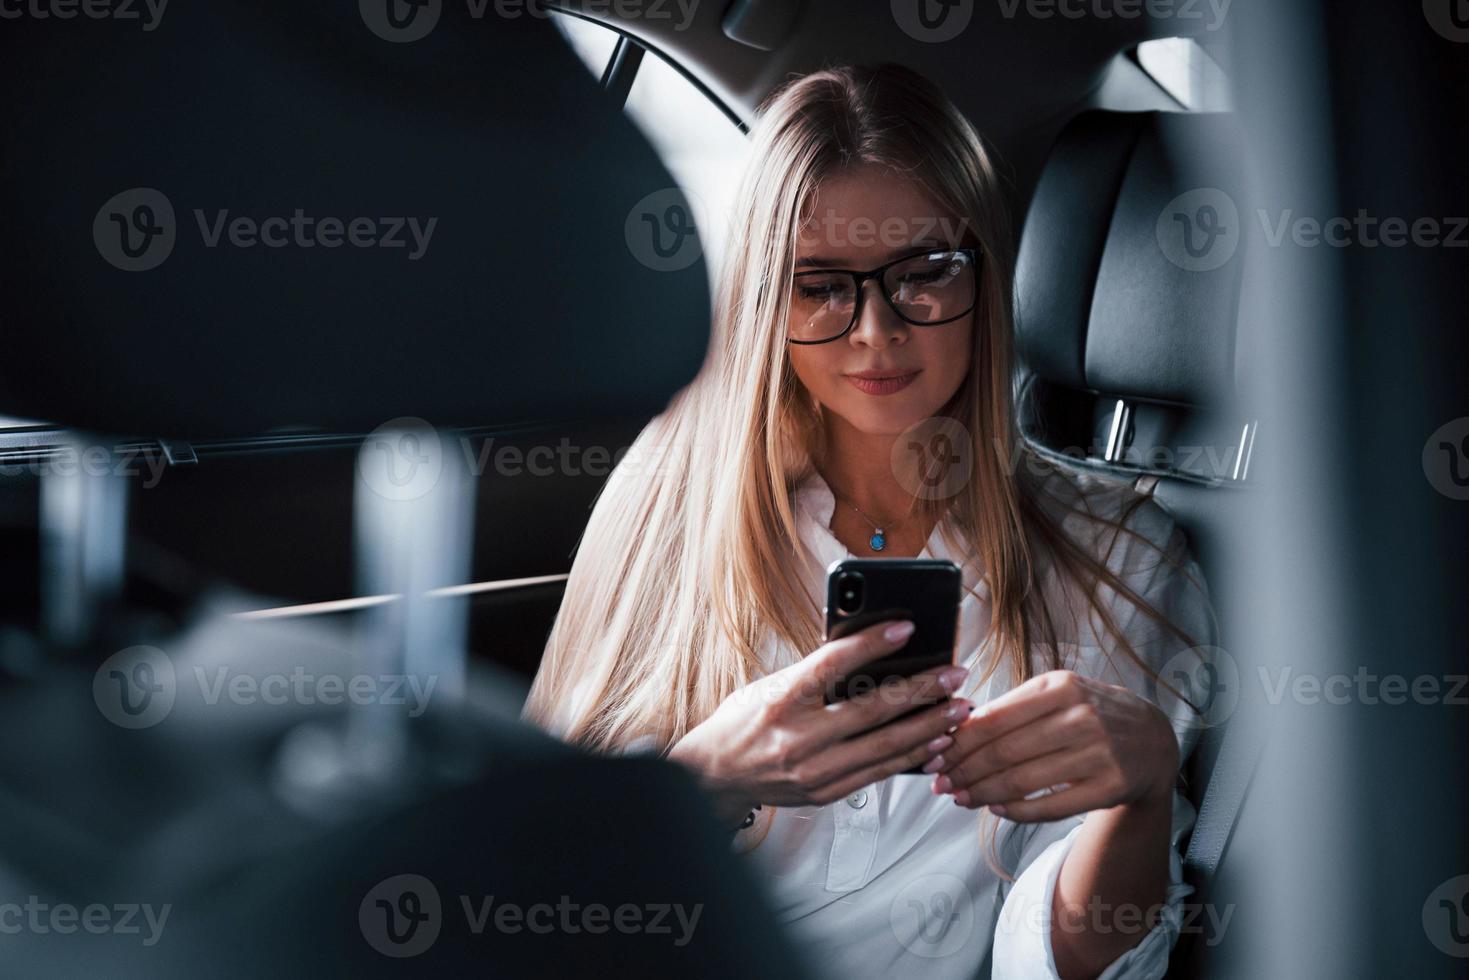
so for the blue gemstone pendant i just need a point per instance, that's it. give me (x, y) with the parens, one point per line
(878, 541)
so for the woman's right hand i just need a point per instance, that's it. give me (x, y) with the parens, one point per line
(778, 742)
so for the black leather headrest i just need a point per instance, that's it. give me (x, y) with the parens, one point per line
(365, 223)
(1127, 281)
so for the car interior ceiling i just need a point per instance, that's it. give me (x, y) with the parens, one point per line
(245, 407)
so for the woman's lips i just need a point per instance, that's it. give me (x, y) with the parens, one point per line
(880, 384)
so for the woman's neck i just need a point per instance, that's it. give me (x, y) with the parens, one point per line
(858, 467)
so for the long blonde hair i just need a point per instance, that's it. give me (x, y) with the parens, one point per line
(692, 555)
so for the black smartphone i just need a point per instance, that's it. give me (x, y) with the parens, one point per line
(864, 591)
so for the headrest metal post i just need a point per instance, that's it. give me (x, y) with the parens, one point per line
(83, 541)
(1117, 436)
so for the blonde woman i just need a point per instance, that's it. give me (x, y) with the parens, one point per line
(857, 401)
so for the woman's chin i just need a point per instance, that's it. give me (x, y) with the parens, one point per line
(887, 419)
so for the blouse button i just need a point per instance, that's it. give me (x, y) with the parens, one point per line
(857, 800)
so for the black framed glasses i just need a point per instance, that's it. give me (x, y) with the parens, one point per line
(928, 288)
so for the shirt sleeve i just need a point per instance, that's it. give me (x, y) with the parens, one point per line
(1022, 947)
(1160, 569)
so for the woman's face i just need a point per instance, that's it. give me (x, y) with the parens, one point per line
(886, 374)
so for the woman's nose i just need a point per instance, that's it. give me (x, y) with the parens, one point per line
(877, 324)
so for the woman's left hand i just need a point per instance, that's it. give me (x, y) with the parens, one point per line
(1097, 745)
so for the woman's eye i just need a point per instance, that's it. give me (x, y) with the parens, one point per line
(816, 291)
(926, 277)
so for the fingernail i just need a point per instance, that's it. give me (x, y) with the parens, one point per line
(997, 810)
(898, 632)
(939, 744)
(962, 797)
(934, 764)
(950, 679)
(942, 785)
(958, 710)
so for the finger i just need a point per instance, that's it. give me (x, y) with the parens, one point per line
(1034, 699)
(912, 741)
(839, 658)
(973, 759)
(1076, 799)
(875, 772)
(1070, 766)
(869, 709)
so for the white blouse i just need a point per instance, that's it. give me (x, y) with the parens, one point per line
(894, 880)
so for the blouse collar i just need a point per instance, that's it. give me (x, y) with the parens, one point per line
(815, 505)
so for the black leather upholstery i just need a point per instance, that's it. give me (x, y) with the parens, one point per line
(1099, 305)
(530, 300)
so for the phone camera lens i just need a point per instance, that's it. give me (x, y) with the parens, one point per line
(849, 593)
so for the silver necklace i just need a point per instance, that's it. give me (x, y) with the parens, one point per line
(879, 539)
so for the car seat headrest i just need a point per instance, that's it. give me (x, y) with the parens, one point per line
(1128, 276)
(300, 214)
